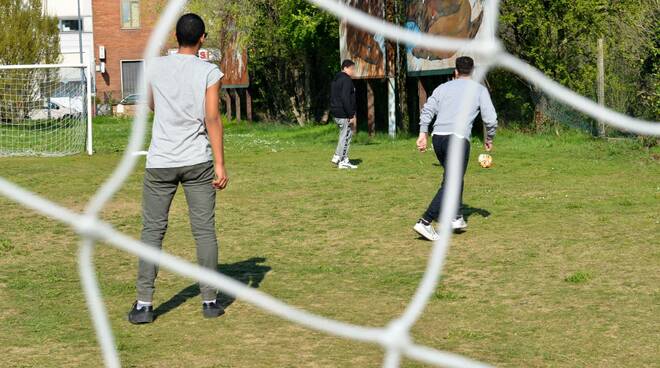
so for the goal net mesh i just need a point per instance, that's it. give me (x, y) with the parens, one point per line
(394, 338)
(43, 110)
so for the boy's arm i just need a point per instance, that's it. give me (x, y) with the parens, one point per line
(429, 111)
(216, 134)
(347, 101)
(489, 117)
(150, 98)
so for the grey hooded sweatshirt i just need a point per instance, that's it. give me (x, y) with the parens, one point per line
(455, 105)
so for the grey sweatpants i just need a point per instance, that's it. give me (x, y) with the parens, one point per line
(159, 188)
(345, 136)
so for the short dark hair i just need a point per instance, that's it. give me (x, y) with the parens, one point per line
(464, 65)
(347, 64)
(189, 29)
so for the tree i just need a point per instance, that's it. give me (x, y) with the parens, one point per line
(28, 37)
(559, 37)
(293, 51)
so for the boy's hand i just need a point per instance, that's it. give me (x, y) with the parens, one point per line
(422, 142)
(221, 179)
(488, 145)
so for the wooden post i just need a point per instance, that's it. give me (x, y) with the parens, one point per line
(228, 103)
(248, 104)
(421, 93)
(601, 84)
(237, 96)
(371, 110)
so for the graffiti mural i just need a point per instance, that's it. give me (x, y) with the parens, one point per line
(365, 49)
(450, 18)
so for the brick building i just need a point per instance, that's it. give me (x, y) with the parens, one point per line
(121, 31)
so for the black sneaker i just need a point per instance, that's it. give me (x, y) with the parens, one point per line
(212, 310)
(140, 316)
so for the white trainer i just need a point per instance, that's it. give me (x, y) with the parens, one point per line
(345, 164)
(335, 160)
(459, 223)
(426, 231)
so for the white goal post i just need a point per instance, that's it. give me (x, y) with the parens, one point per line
(45, 110)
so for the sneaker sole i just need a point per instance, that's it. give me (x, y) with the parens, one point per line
(422, 234)
(208, 314)
(141, 320)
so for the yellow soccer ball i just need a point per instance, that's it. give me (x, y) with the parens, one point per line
(485, 160)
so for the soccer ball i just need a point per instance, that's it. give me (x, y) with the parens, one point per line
(485, 160)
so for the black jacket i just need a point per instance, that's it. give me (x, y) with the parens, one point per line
(342, 97)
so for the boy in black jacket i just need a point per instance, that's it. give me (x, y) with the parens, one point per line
(343, 109)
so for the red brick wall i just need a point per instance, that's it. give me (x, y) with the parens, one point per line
(120, 44)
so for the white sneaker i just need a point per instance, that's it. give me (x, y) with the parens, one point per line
(459, 223)
(426, 231)
(345, 164)
(335, 160)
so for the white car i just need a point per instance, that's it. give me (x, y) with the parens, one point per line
(74, 103)
(53, 111)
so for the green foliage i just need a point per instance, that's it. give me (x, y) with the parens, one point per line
(631, 58)
(293, 51)
(28, 36)
(560, 38)
(225, 18)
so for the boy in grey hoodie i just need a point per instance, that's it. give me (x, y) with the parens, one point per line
(446, 105)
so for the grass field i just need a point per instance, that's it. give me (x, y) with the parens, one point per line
(559, 267)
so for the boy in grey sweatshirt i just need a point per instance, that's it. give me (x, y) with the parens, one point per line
(461, 97)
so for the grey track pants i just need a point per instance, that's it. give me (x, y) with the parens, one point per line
(159, 188)
(345, 136)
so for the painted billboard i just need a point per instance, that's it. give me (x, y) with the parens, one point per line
(233, 62)
(365, 49)
(450, 18)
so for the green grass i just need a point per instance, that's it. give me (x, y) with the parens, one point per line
(42, 137)
(578, 277)
(559, 266)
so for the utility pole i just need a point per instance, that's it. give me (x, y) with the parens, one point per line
(391, 48)
(396, 72)
(80, 29)
(601, 84)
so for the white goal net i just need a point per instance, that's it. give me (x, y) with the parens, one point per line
(44, 110)
(395, 338)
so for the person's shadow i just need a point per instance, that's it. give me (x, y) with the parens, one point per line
(469, 211)
(250, 272)
(355, 161)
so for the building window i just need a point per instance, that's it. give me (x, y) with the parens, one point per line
(131, 70)
(69, 25)
(130, 14)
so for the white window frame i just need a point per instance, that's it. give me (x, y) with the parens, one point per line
(80, 22)
(121, 72)
(121, 15)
